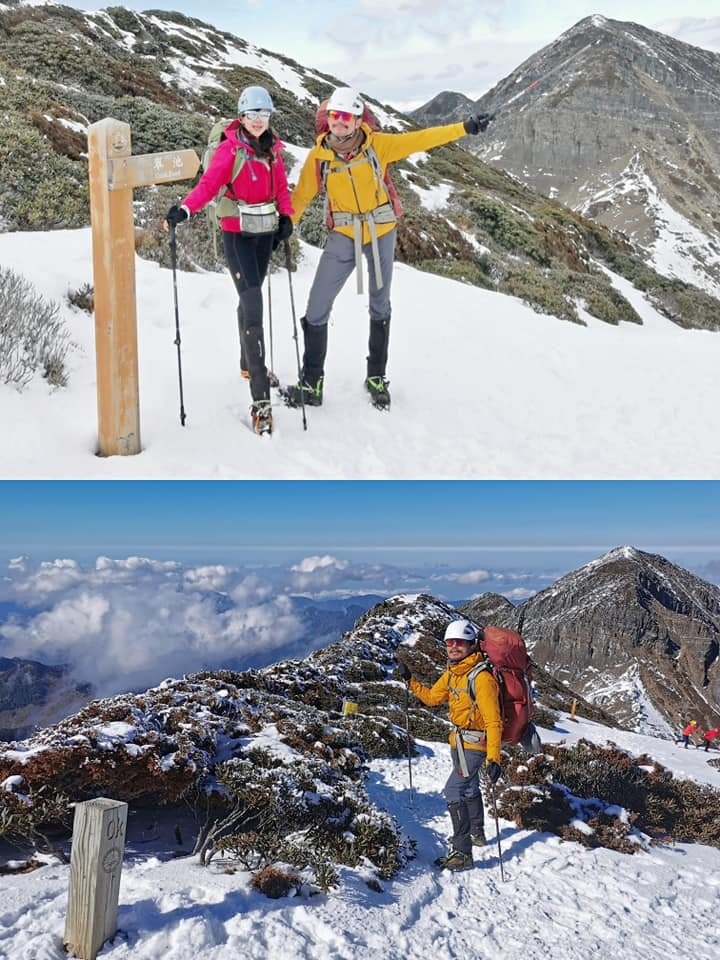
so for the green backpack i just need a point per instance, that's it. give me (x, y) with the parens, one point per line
(220, 206)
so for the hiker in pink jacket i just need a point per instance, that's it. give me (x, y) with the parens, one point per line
(709, 736)
(254, 212)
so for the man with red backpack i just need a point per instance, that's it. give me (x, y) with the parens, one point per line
(349, 163)
(474, 741)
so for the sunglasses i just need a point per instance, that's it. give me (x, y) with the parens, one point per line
(258, 114)
(454, 643)
(341, 115)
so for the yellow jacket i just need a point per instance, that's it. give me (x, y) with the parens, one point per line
(357, 190)
(483, 714)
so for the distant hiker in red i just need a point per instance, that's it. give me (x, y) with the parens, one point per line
(709, 736)
(254, 212)
(688, 731)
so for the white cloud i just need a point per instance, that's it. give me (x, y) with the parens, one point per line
(127, 624)
(519, 593)
(470, 576)
(318, 572)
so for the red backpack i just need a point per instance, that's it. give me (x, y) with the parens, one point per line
(321, 166)
(508, 660)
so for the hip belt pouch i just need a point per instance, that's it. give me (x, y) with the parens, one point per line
(258, 218)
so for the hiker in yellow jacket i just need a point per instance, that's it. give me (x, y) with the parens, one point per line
(348, 163)
(474, 741)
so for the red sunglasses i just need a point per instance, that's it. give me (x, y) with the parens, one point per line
(341, 115)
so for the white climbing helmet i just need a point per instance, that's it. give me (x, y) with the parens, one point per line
(461, 630)
(347, 100)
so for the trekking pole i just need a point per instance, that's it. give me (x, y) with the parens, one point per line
(497, 831)
(407, 730)
(272, 377)
(173, 264)
(288, 264)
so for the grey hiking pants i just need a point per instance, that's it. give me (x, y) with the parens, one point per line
(337, 263)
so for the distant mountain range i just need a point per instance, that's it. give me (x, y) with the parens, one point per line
(622, 124)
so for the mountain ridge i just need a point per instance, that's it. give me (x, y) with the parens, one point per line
(620, 123)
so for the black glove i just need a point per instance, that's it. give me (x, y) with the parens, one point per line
(493, 771)
(285, 228)
(176, 215)
(478, 123)
(404, 671)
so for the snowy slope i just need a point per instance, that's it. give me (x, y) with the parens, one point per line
(482, 387)
(559, 900)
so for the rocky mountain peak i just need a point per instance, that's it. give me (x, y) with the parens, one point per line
(622, 124)
(634, 633)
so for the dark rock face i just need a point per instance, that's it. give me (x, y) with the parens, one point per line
(634, 633)
(33, 695)
(622, 124)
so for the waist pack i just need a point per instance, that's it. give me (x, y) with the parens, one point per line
(258, 219)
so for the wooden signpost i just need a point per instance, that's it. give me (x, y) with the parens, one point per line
(113, 174)
(98, 846)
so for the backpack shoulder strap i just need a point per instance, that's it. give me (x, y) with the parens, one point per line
(473, 675)
(239, 158)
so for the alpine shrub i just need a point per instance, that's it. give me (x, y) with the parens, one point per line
(275, 883)
(33, 337)
(602, 796)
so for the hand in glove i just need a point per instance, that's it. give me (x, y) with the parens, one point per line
(493, 771)
(285, 228)
(176, 215)
(478, 123)
(403, 670)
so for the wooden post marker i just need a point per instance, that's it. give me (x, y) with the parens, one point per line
(573, 705)
(113, 174)
(98, 845)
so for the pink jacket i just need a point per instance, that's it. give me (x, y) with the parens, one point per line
(257, 182)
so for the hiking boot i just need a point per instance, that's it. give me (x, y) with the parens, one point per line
(478, 839)
(455, 860)
(295, 394)
(377, 387)
(261, 415)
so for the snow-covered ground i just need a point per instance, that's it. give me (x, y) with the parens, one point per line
(482, 387)
(558, 899)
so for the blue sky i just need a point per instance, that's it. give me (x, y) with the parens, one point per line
(405, 53)
(205, 521)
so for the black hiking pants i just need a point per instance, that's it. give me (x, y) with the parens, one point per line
(247, 258)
